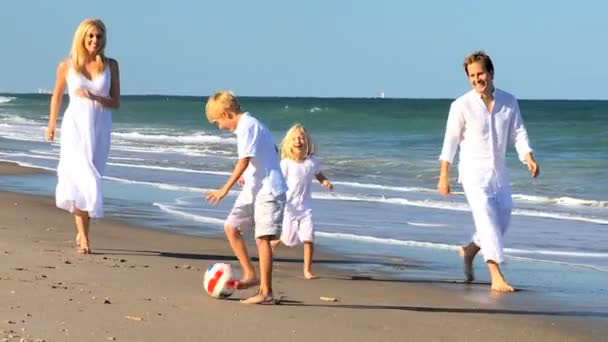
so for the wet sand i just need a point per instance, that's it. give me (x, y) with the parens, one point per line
(143, 284)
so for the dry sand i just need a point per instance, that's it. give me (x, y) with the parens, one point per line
(146, 285)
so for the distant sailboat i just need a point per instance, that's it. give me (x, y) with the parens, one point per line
(380, 95)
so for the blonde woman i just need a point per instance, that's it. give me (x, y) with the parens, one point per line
(300, 166)
(94, 90)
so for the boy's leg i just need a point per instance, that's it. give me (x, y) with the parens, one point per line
(241, 216)
(264, 294)
(308, 252)
(268, 219)
(239, 247)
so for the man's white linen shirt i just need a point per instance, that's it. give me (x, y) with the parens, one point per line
(483, 137)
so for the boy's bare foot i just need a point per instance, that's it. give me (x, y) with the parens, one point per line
(246, 283)
(259, 299)
(309, 275)
(468, 253)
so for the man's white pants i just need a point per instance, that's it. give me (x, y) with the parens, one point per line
(491, 207)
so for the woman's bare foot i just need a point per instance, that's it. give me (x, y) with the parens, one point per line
(82, 245)
(309, 275)
(84, 250)
(468, 253)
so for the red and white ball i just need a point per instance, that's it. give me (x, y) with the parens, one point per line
(218, 281)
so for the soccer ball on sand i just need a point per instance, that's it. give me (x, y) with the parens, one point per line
(218, 282)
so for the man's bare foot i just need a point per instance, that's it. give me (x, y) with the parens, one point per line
(309, 275)
(501, 285)
(259, 299)
(469, 274)
(246, 283)
(77, 239)
(468, 253)
(498, 281)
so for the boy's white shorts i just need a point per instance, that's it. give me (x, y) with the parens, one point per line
(263, 213)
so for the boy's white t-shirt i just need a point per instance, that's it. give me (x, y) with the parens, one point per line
(263, 175)
(299, 177)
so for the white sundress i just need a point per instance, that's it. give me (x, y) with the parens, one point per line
(85, 145)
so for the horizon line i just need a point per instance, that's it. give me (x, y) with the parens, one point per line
(324, 97)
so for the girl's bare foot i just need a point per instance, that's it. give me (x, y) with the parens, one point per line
(274, 244)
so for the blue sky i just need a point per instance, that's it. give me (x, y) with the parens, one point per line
(414, 49)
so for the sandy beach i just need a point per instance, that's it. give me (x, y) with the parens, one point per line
(142, 284)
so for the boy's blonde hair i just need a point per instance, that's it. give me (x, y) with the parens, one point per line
(287, 143)
(79, 53)
(219, 102)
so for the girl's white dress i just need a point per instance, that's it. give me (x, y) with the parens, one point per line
(85, 145)
(298, 224)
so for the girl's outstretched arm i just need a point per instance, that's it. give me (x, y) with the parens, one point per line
(324, 181)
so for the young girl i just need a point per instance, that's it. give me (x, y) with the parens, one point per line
(299, 166)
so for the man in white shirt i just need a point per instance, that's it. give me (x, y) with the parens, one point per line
(482, 122)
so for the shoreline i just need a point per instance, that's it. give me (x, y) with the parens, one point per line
(51, 292)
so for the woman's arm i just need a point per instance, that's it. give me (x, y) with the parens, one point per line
(62, 71)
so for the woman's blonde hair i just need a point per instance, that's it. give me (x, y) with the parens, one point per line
(287, 143)
(79, 53)
(221, 101)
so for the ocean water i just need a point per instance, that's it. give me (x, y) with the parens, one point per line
(381, 155)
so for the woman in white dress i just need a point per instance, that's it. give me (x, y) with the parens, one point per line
(94, 90)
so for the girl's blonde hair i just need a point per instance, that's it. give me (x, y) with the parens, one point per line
(287, 143)
(79, 53)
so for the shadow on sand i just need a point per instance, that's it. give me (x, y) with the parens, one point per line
(296, 303)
